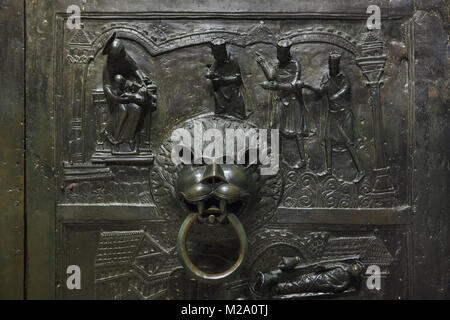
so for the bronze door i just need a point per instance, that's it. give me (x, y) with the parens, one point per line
(356, 208)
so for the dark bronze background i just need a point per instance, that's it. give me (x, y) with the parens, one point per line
(12, 97)
(81, 204)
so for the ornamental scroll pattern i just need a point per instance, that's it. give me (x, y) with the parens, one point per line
(307, 190)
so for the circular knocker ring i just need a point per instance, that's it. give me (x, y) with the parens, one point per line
(195, 271)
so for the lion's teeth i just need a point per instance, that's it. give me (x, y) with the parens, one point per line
(223, 205)
(201, 207)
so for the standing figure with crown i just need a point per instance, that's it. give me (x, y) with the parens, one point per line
(282, 78)
(225, 74)
(340, 119)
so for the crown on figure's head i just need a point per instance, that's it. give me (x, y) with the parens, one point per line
(218, 43)
(284, 44)
(335, 56)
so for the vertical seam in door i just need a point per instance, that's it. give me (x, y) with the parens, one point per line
(25, 248)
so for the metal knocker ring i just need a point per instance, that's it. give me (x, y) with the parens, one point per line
(194, 270)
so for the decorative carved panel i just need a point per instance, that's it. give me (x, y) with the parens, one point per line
(340, 203)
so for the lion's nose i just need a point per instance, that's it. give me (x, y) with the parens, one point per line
(213, 174)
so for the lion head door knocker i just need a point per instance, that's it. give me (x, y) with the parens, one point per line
(225, 198)
(215, 194)
(131, 98)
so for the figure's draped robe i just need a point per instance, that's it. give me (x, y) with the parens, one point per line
(125, 117)
(336, 280)
(229, 98)
(340, 116)
(291, 107)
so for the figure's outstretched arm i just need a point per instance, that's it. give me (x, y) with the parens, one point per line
(210, 74)
(112, 98)
(130, 98)
(268, 85)
(237, 77)
(343, 91)
(318, 90)
(286, 86)
(269, 71)
(142, 77)
(223, 81)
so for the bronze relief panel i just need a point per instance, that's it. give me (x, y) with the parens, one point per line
(330, 87)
